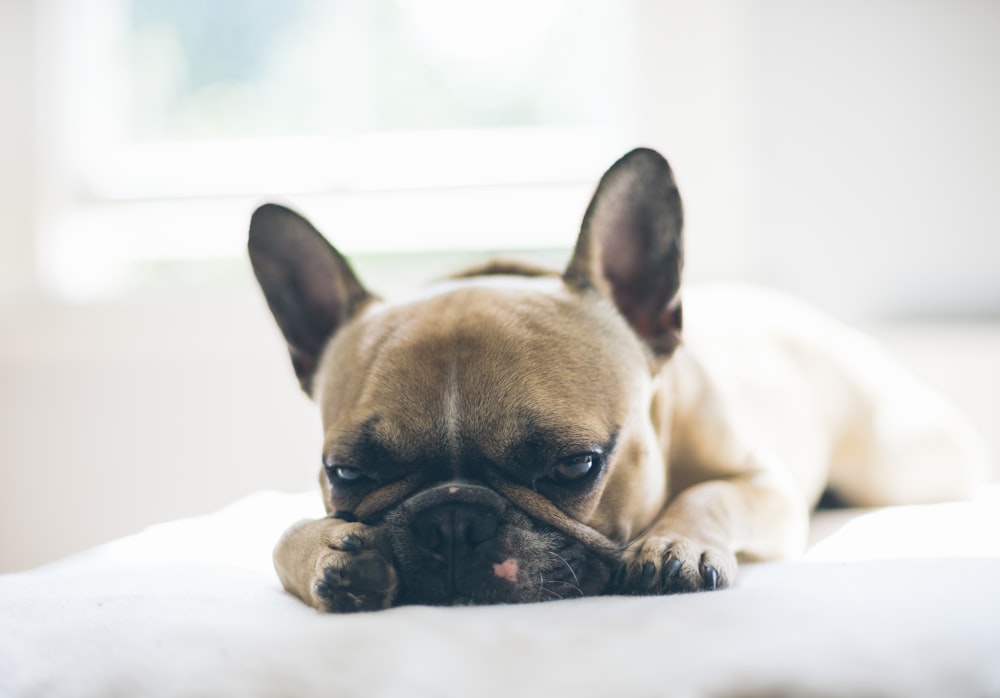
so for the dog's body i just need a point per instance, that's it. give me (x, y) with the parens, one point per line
(516, 435)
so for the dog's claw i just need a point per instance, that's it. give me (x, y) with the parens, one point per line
(648, 572)
(671, 570)
(350, 544)
(711, 578)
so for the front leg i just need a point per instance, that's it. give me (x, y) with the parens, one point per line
(695, 543)
(336, 566)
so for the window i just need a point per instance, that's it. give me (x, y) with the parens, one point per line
(396, 124)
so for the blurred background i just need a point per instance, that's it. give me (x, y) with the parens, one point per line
(847, 152)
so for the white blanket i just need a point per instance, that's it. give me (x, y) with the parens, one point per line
(896, 602)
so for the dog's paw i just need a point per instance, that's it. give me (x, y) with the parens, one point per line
(659, 564)
(355, 573)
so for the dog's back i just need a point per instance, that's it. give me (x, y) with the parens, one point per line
(826, 400)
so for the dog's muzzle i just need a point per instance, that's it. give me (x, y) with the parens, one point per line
(453, 543)
(461, 543)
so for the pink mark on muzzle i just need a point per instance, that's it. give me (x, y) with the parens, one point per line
(506, 570)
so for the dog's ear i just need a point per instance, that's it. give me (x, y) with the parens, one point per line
(630, 247)
(309, 286)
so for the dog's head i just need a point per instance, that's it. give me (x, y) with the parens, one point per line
(499, 427)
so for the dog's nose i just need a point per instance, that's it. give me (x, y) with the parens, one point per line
(454, 529)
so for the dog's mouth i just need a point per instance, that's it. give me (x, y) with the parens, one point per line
(464, 544)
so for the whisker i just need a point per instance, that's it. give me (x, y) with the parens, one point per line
(553, 594)
(575, 584)
(542, 588)
(568, 566)
(565, 584)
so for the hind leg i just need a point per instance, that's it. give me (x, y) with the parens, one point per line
(907, 445)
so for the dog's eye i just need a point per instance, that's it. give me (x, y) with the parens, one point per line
(573, 468)
(347, 473)
(341, 473)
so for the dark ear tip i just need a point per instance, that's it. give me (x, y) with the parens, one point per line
(644, 152)
(269, 223)
(647, 157)
(266, 214)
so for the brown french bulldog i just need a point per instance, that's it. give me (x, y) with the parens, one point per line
(514, 434)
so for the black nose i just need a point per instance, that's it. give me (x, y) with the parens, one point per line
(454, 530)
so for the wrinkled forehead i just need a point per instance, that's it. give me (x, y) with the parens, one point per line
(496, 357)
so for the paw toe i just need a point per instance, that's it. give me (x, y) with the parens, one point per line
(356, 573)
(365, 583)
(667, 566)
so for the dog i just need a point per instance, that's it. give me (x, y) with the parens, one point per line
(514, 434)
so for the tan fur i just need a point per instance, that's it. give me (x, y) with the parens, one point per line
(721, 446)
(735, 489)
(517, 342)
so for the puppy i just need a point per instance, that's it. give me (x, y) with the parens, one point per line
(514, 434)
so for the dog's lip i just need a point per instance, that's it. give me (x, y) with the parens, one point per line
(544, 510)
(500, 500)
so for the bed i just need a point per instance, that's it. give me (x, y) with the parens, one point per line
(903, 601)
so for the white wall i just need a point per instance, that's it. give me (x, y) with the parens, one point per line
(114, 418)
(881, 153)
(16, 148)
(847, 151)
